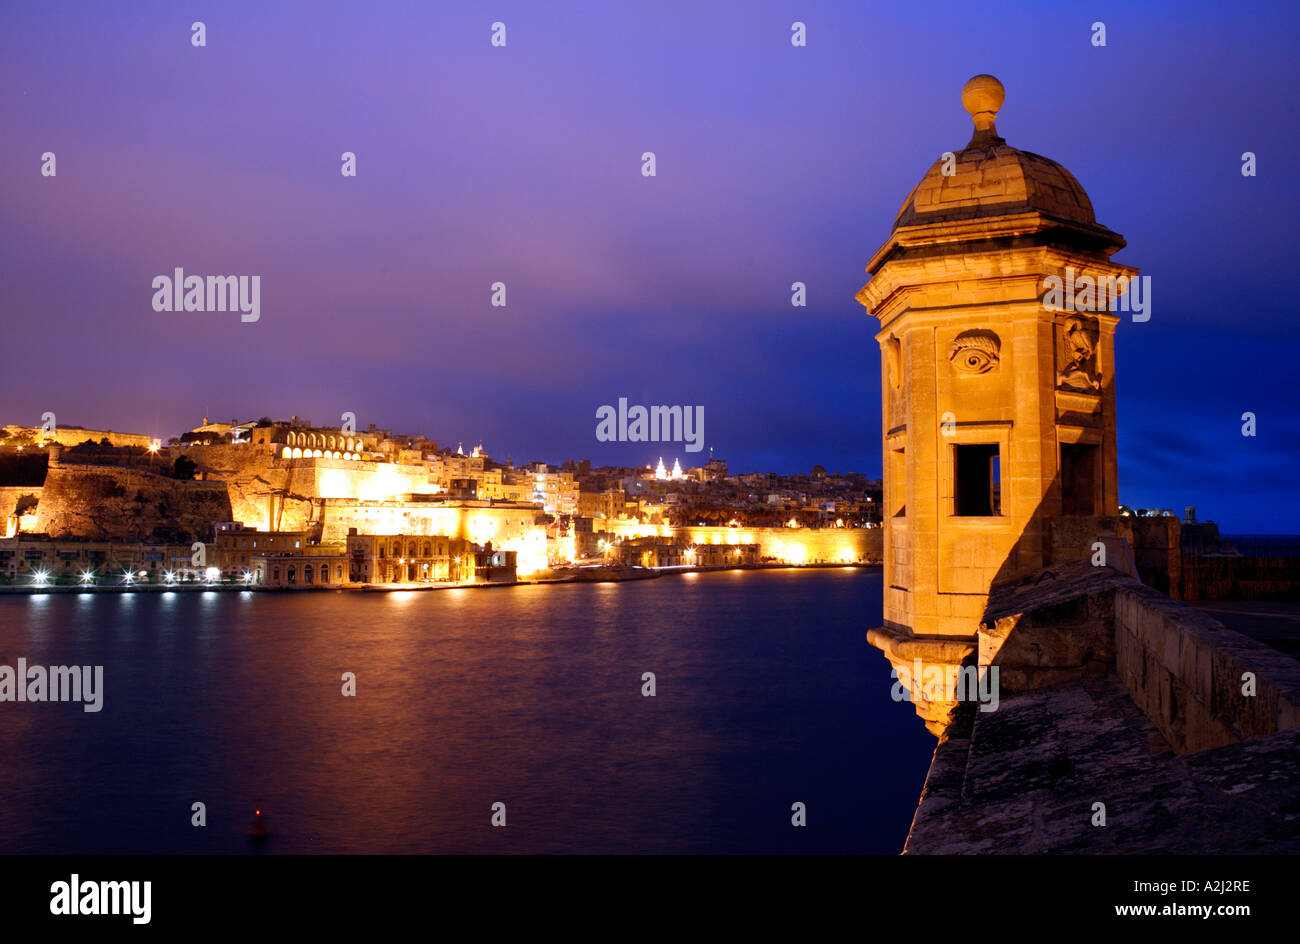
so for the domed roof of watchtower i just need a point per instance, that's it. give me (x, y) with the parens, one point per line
(990, 178)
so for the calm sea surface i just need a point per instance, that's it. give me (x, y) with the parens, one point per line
(767, 694)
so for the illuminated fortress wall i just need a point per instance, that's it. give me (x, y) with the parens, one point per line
(790, 545)
(111, 503)
(75, 436)
(272, 493)
(509, 527)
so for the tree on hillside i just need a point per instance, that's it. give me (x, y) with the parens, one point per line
(184, 468)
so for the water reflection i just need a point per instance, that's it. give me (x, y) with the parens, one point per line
(531, 696)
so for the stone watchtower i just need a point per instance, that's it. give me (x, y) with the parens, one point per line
(998, 408)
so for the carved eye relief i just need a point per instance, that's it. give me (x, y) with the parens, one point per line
(975, 352)
(975, 362)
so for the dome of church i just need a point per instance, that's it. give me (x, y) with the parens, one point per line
(991, 178)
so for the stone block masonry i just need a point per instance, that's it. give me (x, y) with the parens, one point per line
(1202, 685)
(1187, 733)
(1025, 780)
(112, 503)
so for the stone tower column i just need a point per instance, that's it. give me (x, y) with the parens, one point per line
(997, 396)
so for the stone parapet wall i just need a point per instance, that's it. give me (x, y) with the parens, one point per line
(1186, 672)
(1053, 644)
(1152, 545)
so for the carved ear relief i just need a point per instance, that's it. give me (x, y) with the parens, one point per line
(894, 351)
(1078, 345)
(975, 352)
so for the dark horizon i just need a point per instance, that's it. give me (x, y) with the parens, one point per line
(521, 164)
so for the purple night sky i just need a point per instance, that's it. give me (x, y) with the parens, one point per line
(522, 164)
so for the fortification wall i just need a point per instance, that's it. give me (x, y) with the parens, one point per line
(10, 495)
(1192, 677)
(107, 502)
(71, 436)
(507, 527)
(1202, 685)
(1095, 671)
(1153, 543)
(796, 545)
(260, 494)
(272, 493)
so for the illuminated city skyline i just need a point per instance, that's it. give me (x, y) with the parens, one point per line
(376, 290)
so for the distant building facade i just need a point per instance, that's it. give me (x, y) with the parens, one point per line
(64, 560)
(410, 558)
(238, 548)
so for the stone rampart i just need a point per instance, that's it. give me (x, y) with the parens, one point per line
(792, 545)
(11, 495)
(270, 492)
(108, 502)
(75, 436)
(1202, 685)
(1113, 696)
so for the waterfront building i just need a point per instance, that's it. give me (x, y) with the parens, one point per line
(29, 557)
(513, 526)
(493, 565)
(410, 558)
(318, 565)
(236, 549)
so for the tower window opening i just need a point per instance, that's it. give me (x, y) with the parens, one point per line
(1078, 479)
(978, 485)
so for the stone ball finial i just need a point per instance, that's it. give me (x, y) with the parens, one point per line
(982, 96)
